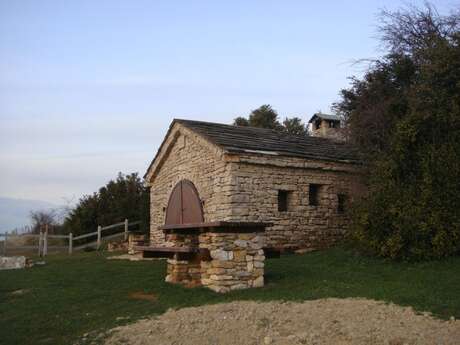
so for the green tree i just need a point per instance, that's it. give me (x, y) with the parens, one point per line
(263, 117)
(404, 115)
(267, 117)
(241, 121)
(295, 126)
(124, 197)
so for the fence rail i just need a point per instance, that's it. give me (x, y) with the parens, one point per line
(112, 226)
(58, 236)
(85, 235)
(43, 245)
(94, 243)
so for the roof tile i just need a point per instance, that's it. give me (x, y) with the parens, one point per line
(267, 141)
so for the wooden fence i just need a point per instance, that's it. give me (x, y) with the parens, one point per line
(42, 247)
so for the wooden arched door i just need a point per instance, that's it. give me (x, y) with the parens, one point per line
(184, 205)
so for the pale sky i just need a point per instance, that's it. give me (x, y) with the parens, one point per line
(88, 88)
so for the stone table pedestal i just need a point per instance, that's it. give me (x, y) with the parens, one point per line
(221, 256)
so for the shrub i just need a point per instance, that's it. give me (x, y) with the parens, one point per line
(405, 117)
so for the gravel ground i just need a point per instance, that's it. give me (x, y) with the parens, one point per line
(327, 321)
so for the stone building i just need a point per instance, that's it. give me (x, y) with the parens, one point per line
(209, 172)
(326, 126)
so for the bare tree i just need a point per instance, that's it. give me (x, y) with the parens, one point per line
(40, 218)
(414, 29)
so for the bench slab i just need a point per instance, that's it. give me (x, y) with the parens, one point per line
(167, 249)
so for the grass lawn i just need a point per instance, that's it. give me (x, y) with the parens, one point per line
(86, 293)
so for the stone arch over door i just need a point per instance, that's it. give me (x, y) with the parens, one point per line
(184, 205)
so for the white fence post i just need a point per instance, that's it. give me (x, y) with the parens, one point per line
(126, 229)
(70, 243)
(40, 243)
(99, 229)
(45, 241)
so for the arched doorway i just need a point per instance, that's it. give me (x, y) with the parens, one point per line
(184, 205)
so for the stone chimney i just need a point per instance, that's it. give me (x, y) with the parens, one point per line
(326, 126)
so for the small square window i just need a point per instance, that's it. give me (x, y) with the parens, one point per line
(313, 194)
(283, 200)
(341, 202)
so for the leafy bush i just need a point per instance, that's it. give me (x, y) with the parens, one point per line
(405, 117)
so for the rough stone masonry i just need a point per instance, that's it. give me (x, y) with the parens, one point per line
(12, 262)
(225, 259)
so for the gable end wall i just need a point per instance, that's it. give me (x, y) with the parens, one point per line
(189, 157)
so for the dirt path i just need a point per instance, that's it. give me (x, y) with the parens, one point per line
(328, 321)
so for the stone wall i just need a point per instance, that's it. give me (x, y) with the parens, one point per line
(255, 185)
(185, 271)
(324, 131)
(190, 157)
(12, 262)
(236, 261)
(134, 240)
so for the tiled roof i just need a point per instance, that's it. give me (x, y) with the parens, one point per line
(324, 117)
(267, 141)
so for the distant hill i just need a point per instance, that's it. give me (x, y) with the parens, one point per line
(14, 213)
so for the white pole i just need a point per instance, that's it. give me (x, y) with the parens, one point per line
(70, 243)
(99, 229)
(45, 241)
(126, 229)
(40, 242)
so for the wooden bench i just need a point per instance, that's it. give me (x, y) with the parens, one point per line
(169, 252)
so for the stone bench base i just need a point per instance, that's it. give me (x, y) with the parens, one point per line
(225, 258)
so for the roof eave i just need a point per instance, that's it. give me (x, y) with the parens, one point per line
(235, 150)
